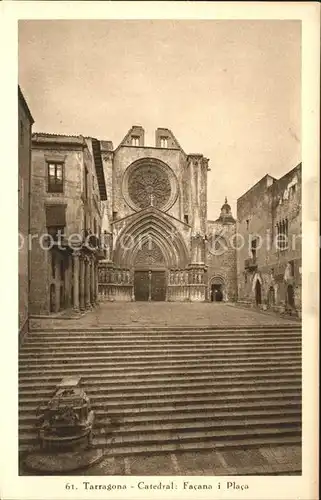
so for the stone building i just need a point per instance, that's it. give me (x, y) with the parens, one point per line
(155, 224)
(221, 257)
(25, 122)
(269, 261)
(67, 195)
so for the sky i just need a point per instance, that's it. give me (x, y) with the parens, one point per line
(230, 90)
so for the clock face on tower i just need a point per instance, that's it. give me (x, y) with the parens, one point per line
(149, 182)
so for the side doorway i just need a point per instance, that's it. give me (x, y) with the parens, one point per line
(216, 292)
(258, 293)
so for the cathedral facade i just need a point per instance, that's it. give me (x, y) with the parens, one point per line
(159, 245)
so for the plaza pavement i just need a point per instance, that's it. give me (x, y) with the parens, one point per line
(278, 460)
(145, 314)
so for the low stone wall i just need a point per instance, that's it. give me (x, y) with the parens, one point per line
(115, 292)
(186, 293)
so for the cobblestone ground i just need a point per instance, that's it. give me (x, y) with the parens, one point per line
(162, 314)
(261, 461)
(278, 460)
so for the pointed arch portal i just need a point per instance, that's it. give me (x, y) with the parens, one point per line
(150, 245)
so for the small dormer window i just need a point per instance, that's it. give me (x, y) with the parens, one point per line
(135, 140)
(163, 142)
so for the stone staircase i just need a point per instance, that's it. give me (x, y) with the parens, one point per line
(171, 389)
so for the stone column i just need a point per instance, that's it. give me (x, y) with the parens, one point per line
(82, 284)
(92, 283)
(149, 286)
(96, 282)
(87, 283)
(75, 257)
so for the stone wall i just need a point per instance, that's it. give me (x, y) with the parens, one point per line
(124, 156)
(75, 153)
(275, 269)
(221, 258)
(25, 122)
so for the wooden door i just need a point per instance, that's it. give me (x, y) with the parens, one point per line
(141, 285)
(158, 285)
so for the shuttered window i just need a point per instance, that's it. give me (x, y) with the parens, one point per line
(56, 215)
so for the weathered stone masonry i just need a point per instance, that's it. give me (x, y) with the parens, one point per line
(155, 222)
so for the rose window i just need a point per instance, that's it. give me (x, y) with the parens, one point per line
(149, 182)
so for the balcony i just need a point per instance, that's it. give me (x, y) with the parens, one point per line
(250, 264)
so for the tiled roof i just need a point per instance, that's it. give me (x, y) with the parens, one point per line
(41, 137)
(46, 134)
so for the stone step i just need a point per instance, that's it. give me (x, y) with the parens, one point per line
(198, 425)
(181, 411)
(203, 413)
(212, 353)
(221, 346)
(66, 346)
(123, 400)
(183, 337)
(139, 367)
(154, 336)
(150, 328)
(160, 388)
(150, 356)
(140, 449)
(136, 346)
(180, 437)
(122, 428)
(28, 383)
(111, 387)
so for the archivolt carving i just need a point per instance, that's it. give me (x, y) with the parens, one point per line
(145, 228)
(149, 255)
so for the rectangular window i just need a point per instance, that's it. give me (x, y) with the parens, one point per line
(114, 215)
(282, 234)
(186, 219)
(163, 142)
(95, 226)
(55, 177)
(254, 248)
